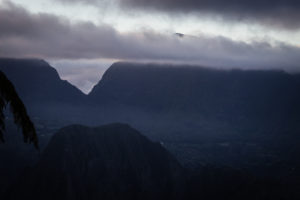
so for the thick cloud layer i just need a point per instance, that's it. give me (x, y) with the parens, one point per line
(47, 36)
(278, 13)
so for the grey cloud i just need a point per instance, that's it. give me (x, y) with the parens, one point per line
(51, 37)
(82, 1)
(277, 13)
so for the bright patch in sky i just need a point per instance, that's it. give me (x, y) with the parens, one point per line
(82, 73)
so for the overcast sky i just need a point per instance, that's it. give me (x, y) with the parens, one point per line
(81, 38)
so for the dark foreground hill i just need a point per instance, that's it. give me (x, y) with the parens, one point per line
(108, 162)
(115, 162)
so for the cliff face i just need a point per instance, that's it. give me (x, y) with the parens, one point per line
(108, 162)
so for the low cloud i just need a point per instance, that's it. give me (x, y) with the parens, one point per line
(51, 37)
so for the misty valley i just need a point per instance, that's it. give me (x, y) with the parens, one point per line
(154, 131)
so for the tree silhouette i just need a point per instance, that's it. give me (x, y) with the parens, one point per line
(9, 96)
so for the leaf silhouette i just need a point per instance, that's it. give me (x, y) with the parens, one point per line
(8, 95)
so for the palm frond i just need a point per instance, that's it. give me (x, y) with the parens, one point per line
(8, 95)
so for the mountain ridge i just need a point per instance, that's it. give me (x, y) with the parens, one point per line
(36, 80)
(181, 107)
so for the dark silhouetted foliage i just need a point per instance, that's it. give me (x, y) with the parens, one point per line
(8, 95)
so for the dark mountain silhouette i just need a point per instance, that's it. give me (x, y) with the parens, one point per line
(217, 116)
(239, 118)
(245, 120)
(108, 162)
(183, 93)
(223, 94)
(37, 82)
(41, 89)
(194, 99)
